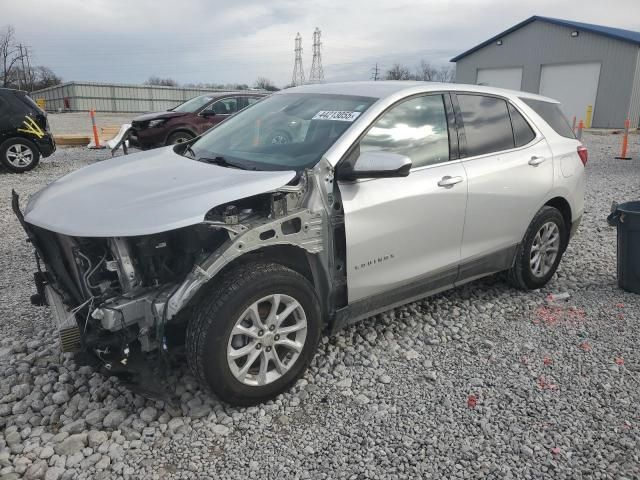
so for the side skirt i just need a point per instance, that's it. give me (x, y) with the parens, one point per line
(424, 287)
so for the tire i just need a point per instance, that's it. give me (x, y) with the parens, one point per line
(179, 137)
(212, 333)
(526, 273)
(19, 155)
(280, 137)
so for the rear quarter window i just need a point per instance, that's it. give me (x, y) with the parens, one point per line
(551, 113)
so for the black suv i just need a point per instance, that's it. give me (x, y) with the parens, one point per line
(24, 131)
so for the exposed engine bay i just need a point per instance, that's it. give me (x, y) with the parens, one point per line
(113, 296)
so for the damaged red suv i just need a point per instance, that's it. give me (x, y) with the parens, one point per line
(187, 120)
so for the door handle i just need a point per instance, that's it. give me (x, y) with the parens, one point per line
(448, 181)
(535, 161)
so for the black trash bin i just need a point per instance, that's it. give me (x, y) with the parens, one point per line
(626, 217)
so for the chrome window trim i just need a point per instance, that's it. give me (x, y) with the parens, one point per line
(538, 138)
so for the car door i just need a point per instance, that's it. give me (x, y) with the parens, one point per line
(509, 171)
(217, 112)
(403, 235)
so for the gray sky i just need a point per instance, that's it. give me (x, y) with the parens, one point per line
(225, 41)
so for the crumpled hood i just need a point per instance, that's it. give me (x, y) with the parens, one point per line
(143, 193)
(157, 115)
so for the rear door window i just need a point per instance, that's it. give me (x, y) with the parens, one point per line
(522, 131)
(487, 125)
(551, 113)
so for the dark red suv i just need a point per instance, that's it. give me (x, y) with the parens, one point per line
(187, 120)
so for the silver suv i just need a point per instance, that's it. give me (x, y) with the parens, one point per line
(245, 250)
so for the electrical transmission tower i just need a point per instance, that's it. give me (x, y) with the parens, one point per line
(375, 73)
(298, 70)
(317, 73)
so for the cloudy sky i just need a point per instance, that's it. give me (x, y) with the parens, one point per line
(225, 41)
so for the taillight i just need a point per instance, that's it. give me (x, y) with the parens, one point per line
(584, 154)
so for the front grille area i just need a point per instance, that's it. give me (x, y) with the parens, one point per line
(70, 339)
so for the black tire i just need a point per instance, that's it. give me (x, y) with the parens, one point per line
(10, 147)
(179, 137)
(280, 137)
(215, 316)
(521, 274)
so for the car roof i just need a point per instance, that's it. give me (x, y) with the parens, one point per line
(232, 93)
(14, 90)
(388, 88)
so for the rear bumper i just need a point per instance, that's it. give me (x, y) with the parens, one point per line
(46, 145)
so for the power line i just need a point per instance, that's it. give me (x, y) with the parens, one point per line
(298, 71)
(317, 72)
(375, 73)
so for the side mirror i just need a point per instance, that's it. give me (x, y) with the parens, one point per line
(208, 113)
(376, 164)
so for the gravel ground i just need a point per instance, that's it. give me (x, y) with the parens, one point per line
(78, 123)
(480, 382)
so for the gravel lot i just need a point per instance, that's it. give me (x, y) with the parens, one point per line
(480, 382)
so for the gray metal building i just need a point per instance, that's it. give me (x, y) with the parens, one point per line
(579, 64)
(108, 97)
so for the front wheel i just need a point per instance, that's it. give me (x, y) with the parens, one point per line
(179, 137)
(541, 249)
(256, 334)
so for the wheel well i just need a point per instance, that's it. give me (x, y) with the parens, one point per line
(291, 257)
(564, 208)
(179, 130)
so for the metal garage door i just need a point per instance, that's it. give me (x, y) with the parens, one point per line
(510, 78)
(574, 85)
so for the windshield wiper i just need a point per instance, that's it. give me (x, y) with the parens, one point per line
(221, 161)
(190, 150)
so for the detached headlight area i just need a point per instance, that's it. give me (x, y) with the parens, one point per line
(156, 123)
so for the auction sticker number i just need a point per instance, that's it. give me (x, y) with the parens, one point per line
(341, 115)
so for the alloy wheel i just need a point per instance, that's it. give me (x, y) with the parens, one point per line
(266, 340)
(544, 249)
(19, 155)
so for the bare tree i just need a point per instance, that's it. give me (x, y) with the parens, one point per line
(44, 77)
(446, 74)
(10, 55)
(425, 72)
(162, 82)
(398, 72)
(265, 84)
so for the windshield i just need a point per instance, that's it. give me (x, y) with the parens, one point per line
(289, 131)
(193, 105)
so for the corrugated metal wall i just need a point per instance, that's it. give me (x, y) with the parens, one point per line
(540, 43)
(634, 107)
(83, 96)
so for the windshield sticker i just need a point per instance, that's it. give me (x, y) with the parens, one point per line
(340, 115)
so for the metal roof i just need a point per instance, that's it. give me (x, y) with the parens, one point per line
(616, 33)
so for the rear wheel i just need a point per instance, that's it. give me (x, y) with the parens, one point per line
(541, 250)
(179, 137)
(19, 155)
(256, 334)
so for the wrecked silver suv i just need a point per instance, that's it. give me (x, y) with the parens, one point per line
(243, 250)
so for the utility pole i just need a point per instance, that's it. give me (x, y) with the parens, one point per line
(317, 73)
(26, 53)
(298, 71)
(19, 75)
(375, 73)
(24, 70)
